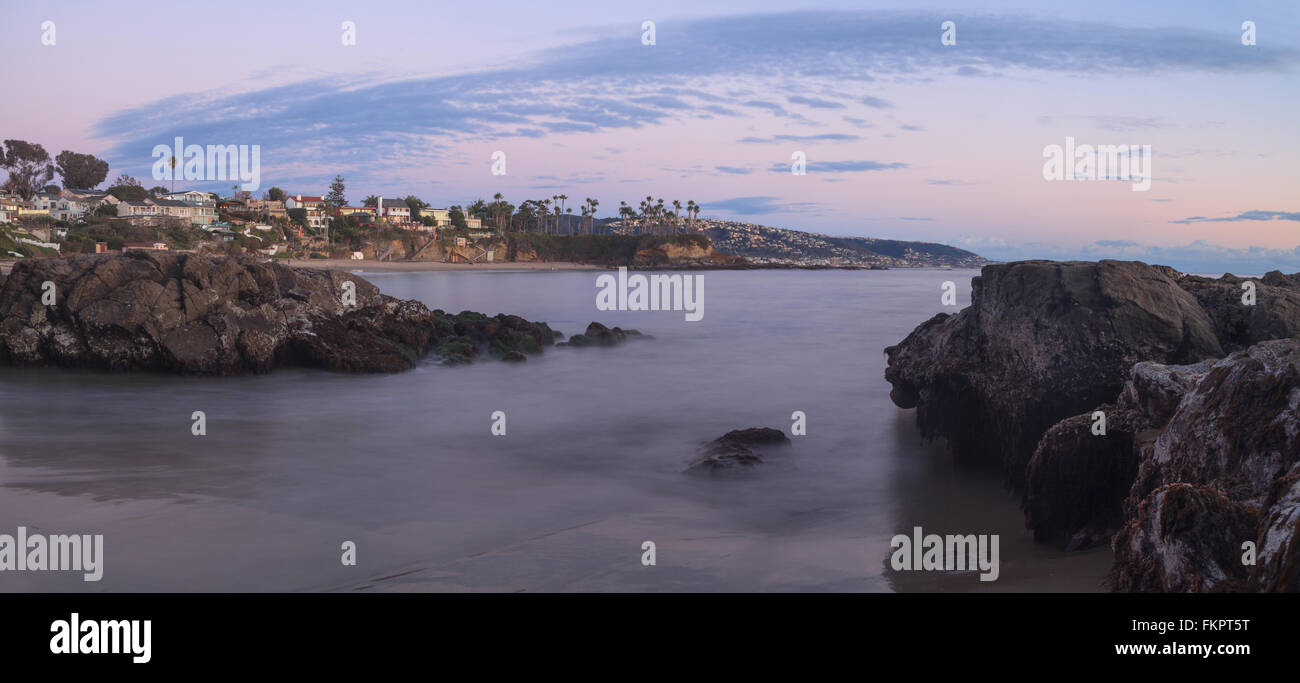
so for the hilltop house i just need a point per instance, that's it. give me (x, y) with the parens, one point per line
(394, 210)
(144, 210)
(70, 205)
(315, 207)
(191, 196)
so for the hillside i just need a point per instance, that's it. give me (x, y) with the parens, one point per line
(761, 244)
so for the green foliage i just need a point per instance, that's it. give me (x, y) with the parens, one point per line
(127, 188)
(80, 171)
(28, 165)
(598, 249)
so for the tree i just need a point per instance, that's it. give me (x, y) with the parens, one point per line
(275, 194)
(677, 215)
(415, 204)
(80, 171)
(127, 189)
(157, 190)
(335, 198)
(458, 217)
(29, 167)
(372, 200)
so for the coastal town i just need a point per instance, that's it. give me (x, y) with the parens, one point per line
(40, 218)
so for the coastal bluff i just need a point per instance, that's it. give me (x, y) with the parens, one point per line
(206, 315)
(1198, 390)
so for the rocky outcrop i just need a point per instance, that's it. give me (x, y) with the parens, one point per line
(735, 449)
(1040, 342)
(197, 314)
(1274, 315)
(1201, 451)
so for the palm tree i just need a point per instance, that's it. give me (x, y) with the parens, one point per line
(563, 198)
(173, 163)
(677, 216)
(592, 227)
(690, 209)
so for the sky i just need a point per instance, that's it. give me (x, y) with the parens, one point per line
(904, 137)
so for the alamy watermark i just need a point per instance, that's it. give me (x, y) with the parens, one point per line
(59, 552)
(932, 552)
(1099, 162)
(214, 162)
(653, 293)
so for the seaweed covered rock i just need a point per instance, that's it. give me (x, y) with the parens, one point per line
(599, 335)
(1231, 452)
(198, 314)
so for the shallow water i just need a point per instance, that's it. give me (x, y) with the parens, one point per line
(297, 462)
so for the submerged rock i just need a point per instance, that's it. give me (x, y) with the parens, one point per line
(735, 449)
(599, 335)
(189, 313)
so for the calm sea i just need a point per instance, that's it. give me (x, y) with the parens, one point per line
(404, 466)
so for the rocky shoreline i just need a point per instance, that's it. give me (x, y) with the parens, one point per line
(193, 314)
(1129, 404)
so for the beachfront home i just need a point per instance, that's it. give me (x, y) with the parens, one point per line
(146, 210)
(394, 210)
(9, 208)
(315, 207)
(191, 196)
(269, 208)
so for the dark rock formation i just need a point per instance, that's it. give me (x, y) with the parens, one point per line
(226, 315)
(1184, 538)
(1275, 314)
(1077, 480)
(1236, 435)
(1201, 452)
(599, 335)
(1040, 342)
(736, 449)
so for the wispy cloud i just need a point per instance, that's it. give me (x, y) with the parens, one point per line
(841, 166)
(822, 137)
(714, 67)
(1245, 216)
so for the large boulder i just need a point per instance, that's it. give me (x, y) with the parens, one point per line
(190, 313)
(1040, 342)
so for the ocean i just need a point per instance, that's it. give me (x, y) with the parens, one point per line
(406, 468)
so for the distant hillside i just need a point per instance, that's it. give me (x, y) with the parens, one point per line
(761, 244)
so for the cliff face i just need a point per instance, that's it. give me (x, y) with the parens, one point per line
(1199, 453)
(225, 315)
